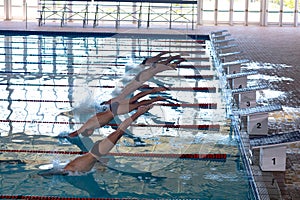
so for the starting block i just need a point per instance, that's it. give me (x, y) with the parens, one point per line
(239, 80)
(257, 118)
(272, 156)
(225, 57)
(224, 42)
(246, 97)
(233, 67)
(225, 49)
(219, 34)
(257, 124)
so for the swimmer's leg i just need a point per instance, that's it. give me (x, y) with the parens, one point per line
(142, 77)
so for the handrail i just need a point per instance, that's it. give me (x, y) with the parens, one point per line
(115, 12)
(135, 1)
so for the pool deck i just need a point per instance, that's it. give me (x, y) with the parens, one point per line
(276, 45)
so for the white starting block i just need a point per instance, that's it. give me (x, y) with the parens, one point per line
(220, 43)
(257, 118)
(239, 80)
(272, 158)
(225, 49)
(218, 33)
(220, 36)
(233, 67)
(257, 124)
(226, 57)
(246, 97)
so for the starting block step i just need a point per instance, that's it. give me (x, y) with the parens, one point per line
(241, 74)
(258, 109)
(236, 62)
(246, 97)
(249, 89)
(223, 41)
(229, 54)
(221, 35)
(226, 47)
(272, 148)
(237, 79)
(218, 32)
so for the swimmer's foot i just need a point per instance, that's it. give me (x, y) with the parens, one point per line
(83, 163)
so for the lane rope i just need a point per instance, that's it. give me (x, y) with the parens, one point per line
(194, 89)
(206, 77)
(197, 105)
(212, 127)
(143, 155)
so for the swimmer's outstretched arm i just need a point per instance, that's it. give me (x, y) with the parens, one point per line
(86, 162)
(147, 74)
(155, 59)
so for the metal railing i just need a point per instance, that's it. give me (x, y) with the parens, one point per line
(137, 13)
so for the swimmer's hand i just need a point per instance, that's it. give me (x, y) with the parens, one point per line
(155, 59)
(166, 65)
(173, 59)
(170, 63)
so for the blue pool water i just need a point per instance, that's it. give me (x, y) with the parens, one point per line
(52, 83)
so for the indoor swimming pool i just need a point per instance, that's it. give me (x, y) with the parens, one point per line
(51, 83)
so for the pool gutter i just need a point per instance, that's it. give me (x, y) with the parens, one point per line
(243, 139)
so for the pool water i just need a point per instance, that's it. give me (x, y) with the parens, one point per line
(180, 179)
(52, 83)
